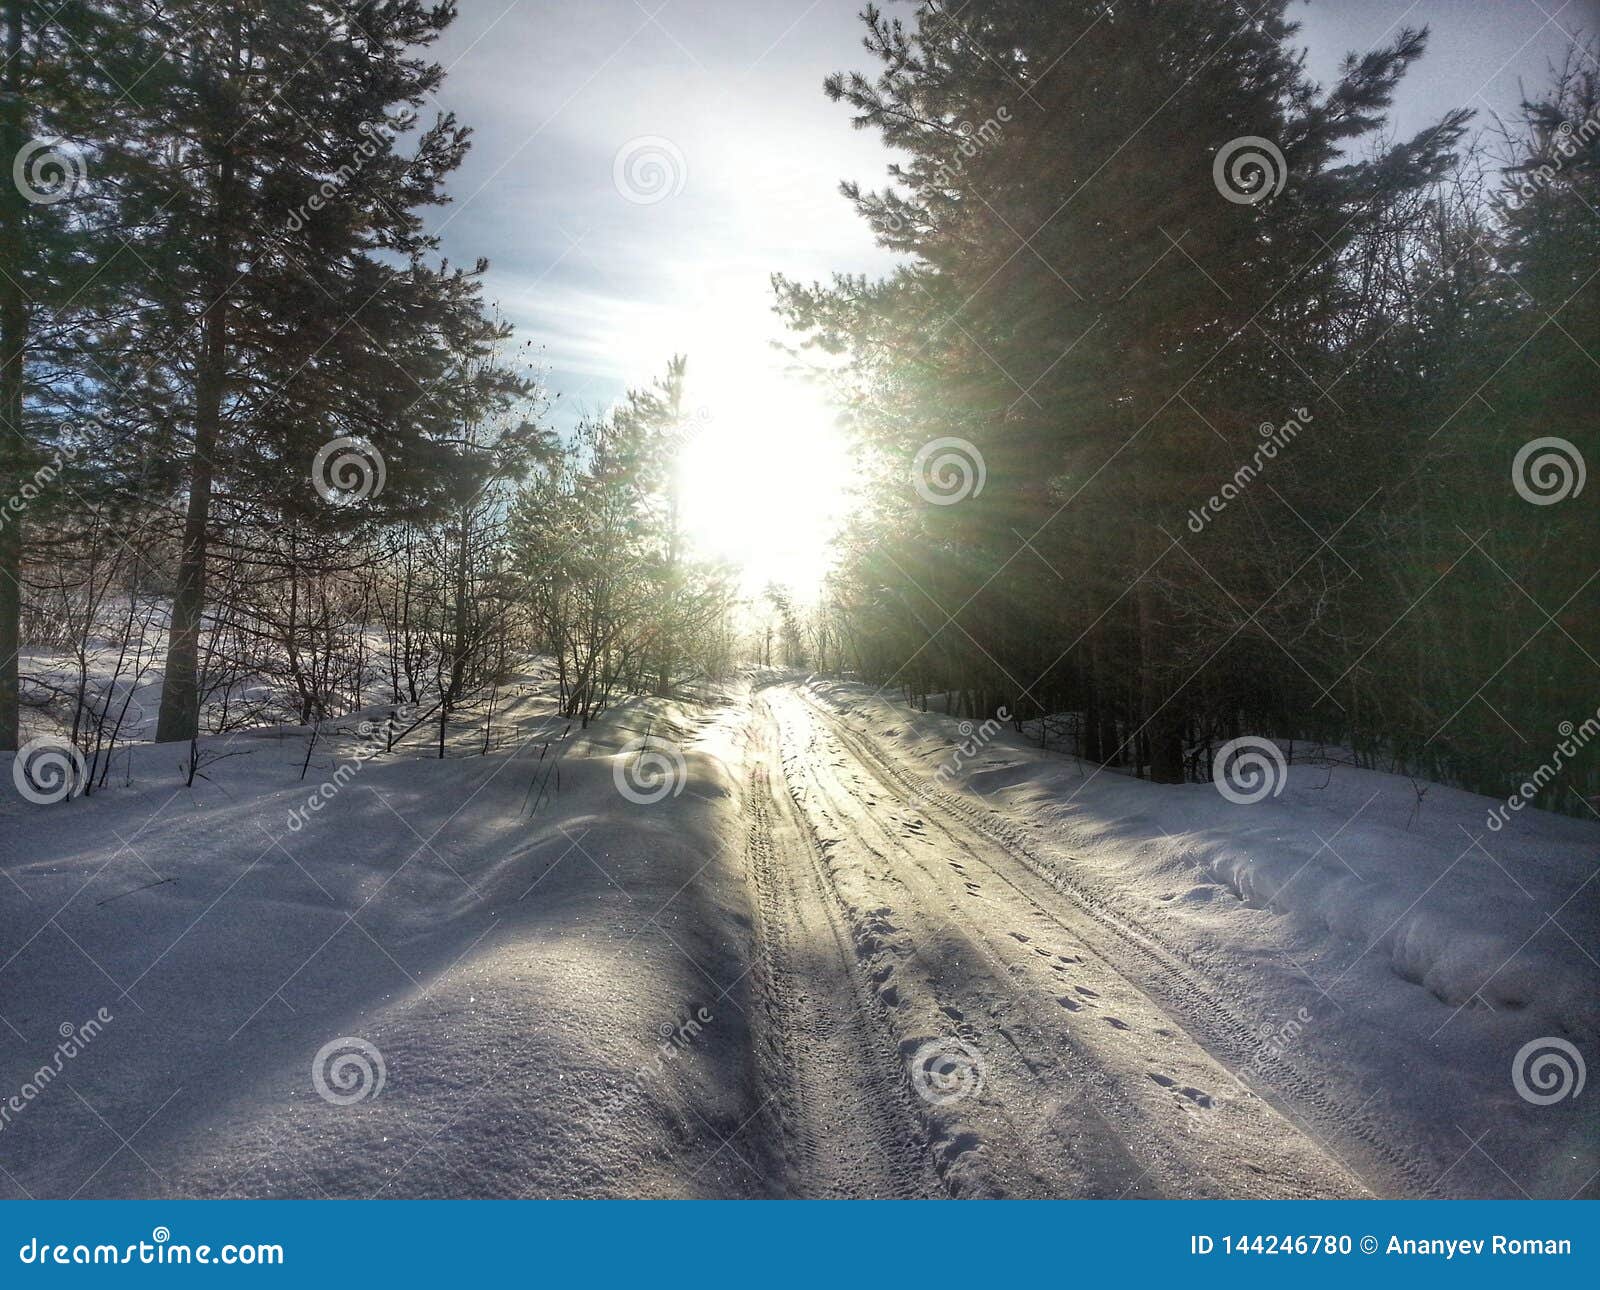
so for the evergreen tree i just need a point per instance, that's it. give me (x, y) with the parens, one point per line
(61, 83)
(1106, 282)
(292, 299)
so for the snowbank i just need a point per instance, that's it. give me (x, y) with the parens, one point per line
(530, 1005)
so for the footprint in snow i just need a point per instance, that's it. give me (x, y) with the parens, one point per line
(1196, 1095)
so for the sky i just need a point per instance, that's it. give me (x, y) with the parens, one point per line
(641, 167)
(751, 154)
(727, 98)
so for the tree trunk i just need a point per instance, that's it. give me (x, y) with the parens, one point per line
(180, 695)
(1162, 717)
(14, 453)
(461, 622)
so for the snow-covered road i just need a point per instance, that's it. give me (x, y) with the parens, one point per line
(780, 952)
(899, 936)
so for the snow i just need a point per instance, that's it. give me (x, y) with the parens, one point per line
(568, 1000)
(1426, 950)
(515, 975)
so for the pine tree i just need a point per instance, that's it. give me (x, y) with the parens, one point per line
(60, 84)
(1097, 294)
(293, 299)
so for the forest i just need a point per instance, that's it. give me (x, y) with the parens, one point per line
(259, 432)
(1198, 405)
(1306, 462)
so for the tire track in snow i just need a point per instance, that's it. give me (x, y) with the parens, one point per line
(1039, 1118)
(1163, 972)
(836, 1120)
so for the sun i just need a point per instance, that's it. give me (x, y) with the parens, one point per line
(765, 481)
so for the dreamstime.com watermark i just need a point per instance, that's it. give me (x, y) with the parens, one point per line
(1275, 1041)
(647, 770)
(348, 470)
(47, 171)
(47, 769)
(677, 1038)
(74, 1039)
(972, 742)
(46, 475)
(1548, 470)
(1567, 142)
(348, 1070)
(1249, 169)
(649, 169)
(974, 139)
(160, 1250)
(949, 470)
(947, 1070)
(1249, 769)
(1548, 1070)
(376, 137)
(1274, 439)
(379, 735)
(1574, 739)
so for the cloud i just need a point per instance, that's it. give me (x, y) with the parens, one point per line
(610, 288)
